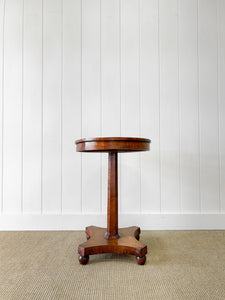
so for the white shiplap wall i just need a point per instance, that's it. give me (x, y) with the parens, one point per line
(81, 68)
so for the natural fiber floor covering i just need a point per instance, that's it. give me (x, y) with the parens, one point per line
(180, 265)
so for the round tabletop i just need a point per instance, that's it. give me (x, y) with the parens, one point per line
(117, 144)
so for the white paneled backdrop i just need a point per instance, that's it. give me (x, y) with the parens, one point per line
(83, 68)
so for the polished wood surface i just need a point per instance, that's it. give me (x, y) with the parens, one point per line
(112, 239)
(127, 243)
(112, 209)
(118, 144)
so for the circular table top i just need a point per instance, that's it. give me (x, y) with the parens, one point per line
(117, 144)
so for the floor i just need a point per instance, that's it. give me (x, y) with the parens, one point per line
(180, 265)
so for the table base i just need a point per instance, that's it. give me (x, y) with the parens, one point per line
(127, 243)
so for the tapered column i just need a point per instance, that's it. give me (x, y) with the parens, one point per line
(112, 210)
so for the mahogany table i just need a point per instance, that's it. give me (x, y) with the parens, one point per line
(112, 239)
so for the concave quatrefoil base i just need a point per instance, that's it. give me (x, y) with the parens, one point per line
(127, 243)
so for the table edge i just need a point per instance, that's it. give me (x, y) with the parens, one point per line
(102, 139)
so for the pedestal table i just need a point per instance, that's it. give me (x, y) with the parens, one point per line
(112, 239)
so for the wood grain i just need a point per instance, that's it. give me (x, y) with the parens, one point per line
(119, 144)
(127, 243)
(112, 240)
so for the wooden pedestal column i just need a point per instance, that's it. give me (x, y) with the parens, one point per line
(112, 209)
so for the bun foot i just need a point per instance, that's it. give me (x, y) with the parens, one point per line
(83, 260)
(141, 260)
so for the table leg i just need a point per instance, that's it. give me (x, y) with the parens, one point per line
(112, 210)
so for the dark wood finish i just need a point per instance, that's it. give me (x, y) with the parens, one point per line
(141, 260)
(127, 243)
(112, 209)
(112, 239)
(118, 144)
(83, 260)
